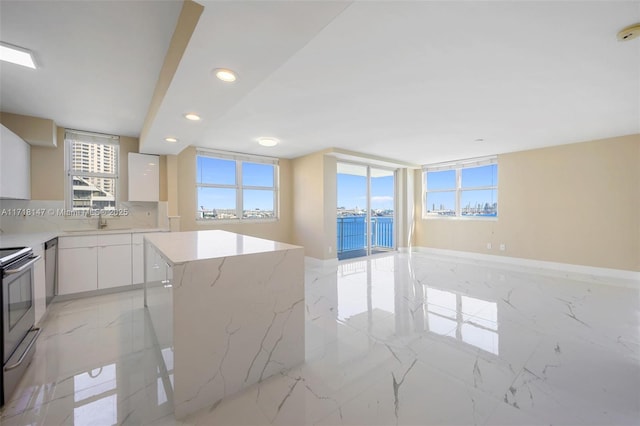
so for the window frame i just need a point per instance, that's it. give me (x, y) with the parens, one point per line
(239, 187)
(72, 136)
(458, 166)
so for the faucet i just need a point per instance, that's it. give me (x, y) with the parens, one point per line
(102, 221)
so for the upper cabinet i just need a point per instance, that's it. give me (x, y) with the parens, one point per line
(144, 177)
(15, 166)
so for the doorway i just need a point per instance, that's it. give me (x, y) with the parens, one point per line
(365, 211)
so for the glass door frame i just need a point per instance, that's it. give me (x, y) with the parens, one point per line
(368, 166)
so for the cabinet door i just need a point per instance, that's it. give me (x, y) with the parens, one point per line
(77, 270)
(15, 166)
(114, 266)
(137, 254)
(144, 177)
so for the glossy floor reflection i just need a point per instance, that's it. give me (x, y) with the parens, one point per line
(396, 339)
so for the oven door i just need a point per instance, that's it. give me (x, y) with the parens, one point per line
(18, 312)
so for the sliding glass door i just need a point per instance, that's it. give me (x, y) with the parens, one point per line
(365, 211)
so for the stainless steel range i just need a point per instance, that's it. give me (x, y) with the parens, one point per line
(18, 316)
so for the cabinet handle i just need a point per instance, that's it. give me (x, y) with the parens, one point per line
(26, 351)
(23, 267)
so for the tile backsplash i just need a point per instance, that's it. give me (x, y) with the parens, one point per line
(18, 216)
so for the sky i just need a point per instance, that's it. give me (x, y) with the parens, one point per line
(223, 172)
(352, 192)
(471, 177)
(351, 189)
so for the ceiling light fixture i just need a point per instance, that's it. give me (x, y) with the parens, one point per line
(191, 116)
(17, 55)
(479, 140)
(629, 33)
(268, 141)
(171, 140)
(225, 75)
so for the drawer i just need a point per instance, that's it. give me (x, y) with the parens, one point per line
(114, 240)
(80, 241)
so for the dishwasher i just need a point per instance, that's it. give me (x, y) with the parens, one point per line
(51, 269)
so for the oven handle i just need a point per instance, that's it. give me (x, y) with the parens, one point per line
(26, 351)
(23, 267)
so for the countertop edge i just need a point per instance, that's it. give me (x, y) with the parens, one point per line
(36, 238)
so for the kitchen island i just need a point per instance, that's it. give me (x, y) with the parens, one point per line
(230, 306)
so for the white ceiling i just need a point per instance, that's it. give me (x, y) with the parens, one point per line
(98, 60)
(412, 81)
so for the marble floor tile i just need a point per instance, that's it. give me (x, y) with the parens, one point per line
(404, 339)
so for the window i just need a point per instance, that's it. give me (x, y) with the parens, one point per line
(235, 187)
(92, 171)
(462, 189)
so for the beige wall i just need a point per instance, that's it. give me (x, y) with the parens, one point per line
(48, 176)
(34, 130)
(314, 205)
(329, 204)
(47, 171)
(576, 204)
(172, 184)
(127, 145)
(162, 171)
(186, 192)
(405, 209)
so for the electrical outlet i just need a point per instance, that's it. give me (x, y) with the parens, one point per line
(330, 249)
(488, 246)
(503, 247)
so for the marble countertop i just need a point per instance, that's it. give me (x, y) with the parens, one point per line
(32, 239)
(182, 247)
(80, 232)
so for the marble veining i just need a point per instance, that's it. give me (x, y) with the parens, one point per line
(233, 325)
(407, 339)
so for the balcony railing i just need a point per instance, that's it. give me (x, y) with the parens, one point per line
(352, 233)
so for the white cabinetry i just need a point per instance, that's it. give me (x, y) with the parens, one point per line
(144, 177)
(114, 260)
(39, 290)
(77, 264)
(15, 166)
(156, 273)
(137, 255)
(92, 262)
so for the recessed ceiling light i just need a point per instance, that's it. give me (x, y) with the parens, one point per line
(629, 33)
(171, 140)
(225, 74)
(16, 55)
(268, 141)
(191, 116)
(479, 140)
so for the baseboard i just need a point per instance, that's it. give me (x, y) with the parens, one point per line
(617, 277)
(83, 294)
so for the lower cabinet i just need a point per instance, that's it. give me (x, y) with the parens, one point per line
(92, 262)
(77, 264)
(114, 266)
(77, 269)
(137, 256)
